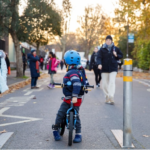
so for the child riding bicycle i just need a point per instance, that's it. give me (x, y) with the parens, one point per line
(76, 75)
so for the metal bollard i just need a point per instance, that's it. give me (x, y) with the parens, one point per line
(127, 103)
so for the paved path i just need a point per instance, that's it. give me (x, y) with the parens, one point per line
(28, 121)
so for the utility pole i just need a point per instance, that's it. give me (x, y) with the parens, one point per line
(128, 31)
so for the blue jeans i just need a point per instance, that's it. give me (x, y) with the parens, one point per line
(61, 114)
(33, 81)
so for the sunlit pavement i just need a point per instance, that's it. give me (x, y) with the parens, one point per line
(28, 121)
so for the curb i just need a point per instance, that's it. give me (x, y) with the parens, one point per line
(15, 85)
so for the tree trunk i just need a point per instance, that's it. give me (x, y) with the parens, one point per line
(19, 63)
(64, 47)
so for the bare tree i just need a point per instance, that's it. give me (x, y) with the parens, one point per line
(92, 28)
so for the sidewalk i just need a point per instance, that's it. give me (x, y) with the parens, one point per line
(11, 79)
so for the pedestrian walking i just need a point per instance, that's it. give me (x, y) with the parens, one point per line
(107, 59)
(120, 64)
(52, 68)
(88, 64)
(41, 62)
(62, 64)
(3, 73)
(7, 63)
(94, 66)
(34, 68)
(24, 60)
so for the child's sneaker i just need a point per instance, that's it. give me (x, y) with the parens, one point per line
(56, 135)
(77, 139)
(49, 86)
(53, 86)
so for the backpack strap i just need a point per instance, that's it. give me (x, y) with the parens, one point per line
(0, 62)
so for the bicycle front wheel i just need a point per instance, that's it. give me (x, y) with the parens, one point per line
(70, 129)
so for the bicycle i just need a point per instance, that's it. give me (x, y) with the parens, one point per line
(71, 115)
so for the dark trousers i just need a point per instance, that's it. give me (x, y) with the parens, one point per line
(34, 81)
(61, 114)
(41, 65)
(97, 73)
(61, 67)
(24, 68)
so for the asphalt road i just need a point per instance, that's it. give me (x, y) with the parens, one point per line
(30, 119)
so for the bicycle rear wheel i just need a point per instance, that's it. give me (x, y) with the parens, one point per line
(63, 124)
(70, 129)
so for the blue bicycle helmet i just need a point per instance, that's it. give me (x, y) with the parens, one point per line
(72, 57)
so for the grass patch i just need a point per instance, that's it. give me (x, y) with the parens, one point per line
(25, 77)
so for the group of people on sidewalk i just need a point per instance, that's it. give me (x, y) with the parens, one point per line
(34, 65)
(104, 63)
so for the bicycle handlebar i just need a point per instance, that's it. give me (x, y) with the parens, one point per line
(89, 86)
(85, 86)
(57, 84)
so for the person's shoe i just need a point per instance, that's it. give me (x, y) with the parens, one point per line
(56, 135)
(32, 87)
(53, 86)
(98, 85)
(111, 101)
(49, 86)
(107, 100)
(77, 139)
(36, 87)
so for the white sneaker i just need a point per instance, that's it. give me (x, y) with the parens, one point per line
(97, 86)
(112, 101)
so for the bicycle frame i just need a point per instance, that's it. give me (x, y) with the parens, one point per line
(75, 115)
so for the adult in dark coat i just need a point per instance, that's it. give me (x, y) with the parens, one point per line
(34, 68)
(24, 60)
(62, 64)
(7, 61)
(94, 66)
(107, 61)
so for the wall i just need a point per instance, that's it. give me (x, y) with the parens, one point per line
(12, 54)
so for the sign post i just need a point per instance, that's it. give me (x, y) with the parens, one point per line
(127, 103)
(130, 38)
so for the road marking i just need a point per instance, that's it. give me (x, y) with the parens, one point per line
(26, 89)
(142, 82)
(148, 90)
(40, 89)
(4, 137)
(16, 101)
(119, 136)
(28, 93)
(3, 110)
(26, 119)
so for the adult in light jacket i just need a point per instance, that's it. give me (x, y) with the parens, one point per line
(34, 68)
(107, 61)
(3, 73)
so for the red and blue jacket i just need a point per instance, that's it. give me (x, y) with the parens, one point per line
(78, 79)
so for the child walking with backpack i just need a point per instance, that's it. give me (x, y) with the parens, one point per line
(52, 68)
(78, 78)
